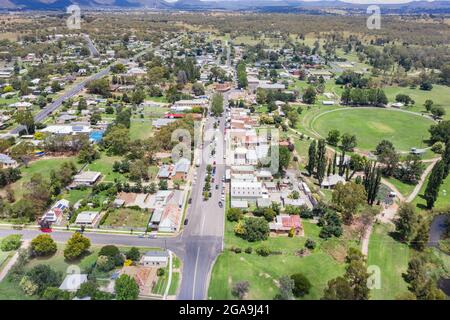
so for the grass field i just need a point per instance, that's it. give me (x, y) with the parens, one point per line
(391, 257)
(371, 125)
(74, 195)
(263, 272)
(127, 218)
(404, 188)
(42, 166)
(439, 95)
(140, 129)
(105, 166)
(443, 200)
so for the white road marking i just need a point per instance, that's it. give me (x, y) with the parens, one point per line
(195, 274)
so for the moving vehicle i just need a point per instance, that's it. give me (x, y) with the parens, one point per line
(220, 204)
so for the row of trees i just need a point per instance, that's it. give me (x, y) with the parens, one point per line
(438, 175)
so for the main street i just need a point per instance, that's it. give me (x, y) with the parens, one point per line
(199, 243)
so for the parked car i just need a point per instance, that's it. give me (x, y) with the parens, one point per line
(217, 187)
(220, 204)
(186, 221)
(190, 200)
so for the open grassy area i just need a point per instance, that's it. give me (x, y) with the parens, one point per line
(127, 218)
(174, 284)
(404, 188)
(74, 195)
(105, 166)
(443, 200)
(371, 125)
(140, 129)
(263, 272)
(439, 95)
(391, 257)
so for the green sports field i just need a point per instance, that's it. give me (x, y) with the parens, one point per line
(371, 125)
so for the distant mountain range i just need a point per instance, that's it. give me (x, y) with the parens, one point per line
(233, 5)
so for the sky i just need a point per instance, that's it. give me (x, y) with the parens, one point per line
(349, 1)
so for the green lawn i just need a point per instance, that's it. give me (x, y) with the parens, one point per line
(443, 200)
(74, 195)
(391, 257)
(263, 272)
(404, 188)
(127, 218)
(105, 166)
(140, 129)
(174, 284)
(439, 95)
(371, 125)
(42, 166)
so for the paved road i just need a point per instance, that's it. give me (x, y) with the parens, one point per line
(90, 44)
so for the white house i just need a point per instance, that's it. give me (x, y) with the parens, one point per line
(155, 259)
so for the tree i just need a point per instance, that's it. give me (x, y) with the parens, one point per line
(428, 105)
(287, 286)
(348, 198)
(309, 95)
(422, 235)
(321, 161)
(242, 75)
(372, 181)
(420, 283)
(126, 288)
(43, 245)
(406, 222)
(138, 96)
(240, 289)
(133, 254)
(311, 158)
(338, 289)
(284, 158)
(387, 155)
(255, 229)
(117, 140)
(26, 119)
(434, 183)
(348, 142)
(43, 276)
(76, 246)
(333, 137)
(437, 112)
(198, 89)
(88, 154)
(440, 132)
(217, 104)
(302, 286)
(292, 117)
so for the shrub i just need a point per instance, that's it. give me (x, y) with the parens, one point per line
(126, 288)
(249, 250)
(27, 286)
(234, 214)
(105, 263)
(237, 250)
(255, 229)
(160, 272)
(53, 293)
(291, 233)
(11, 242)
(240, 289)
(133, 254)
(263, 251)
(43, 245)
(301, 285)
(44, 276)
(76, 246)
(310, 244)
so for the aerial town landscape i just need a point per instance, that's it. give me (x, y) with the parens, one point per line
(224, 150)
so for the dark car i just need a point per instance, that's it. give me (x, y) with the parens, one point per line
(217, 187)
(190, 200)
(186, 221)
(220, 204)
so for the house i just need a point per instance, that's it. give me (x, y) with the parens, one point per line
(331, 181)
(181, 169)
(328, 102)
(155, 259)
(72, 282)
(87, 218)
(187, 105)
(159, 123)
(170, 218)
(67, 129)
(285, 223)
(7, 162)
(85, 178)
(164, 172)
(55, 214)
